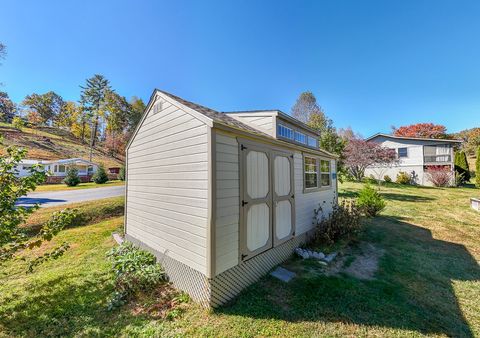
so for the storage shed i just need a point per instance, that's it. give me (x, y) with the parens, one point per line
(221, 198)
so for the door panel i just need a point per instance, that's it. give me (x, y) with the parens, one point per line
(256, 201)
(258, 226)
(257, 174)
(283, 197)
(282, 175)
(283, 217)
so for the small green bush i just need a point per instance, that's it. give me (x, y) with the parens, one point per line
(100, 175)
(343, 221)
(403, 178)
(121, 174)
(370, 202)
(387, 179)
(18, 123)
(134, 270)
(72, 179)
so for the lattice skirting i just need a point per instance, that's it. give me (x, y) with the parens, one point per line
(224, 287)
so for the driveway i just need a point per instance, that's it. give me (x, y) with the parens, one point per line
(53, 198)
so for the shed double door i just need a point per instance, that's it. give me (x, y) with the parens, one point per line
(267, 201)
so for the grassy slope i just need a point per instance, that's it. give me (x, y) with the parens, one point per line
(52, 144)
(427, 283)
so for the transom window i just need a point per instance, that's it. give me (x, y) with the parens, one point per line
(285, 131)
(312, 142)
(300, 137)
(325, 173)
(311, 172)
(402, 152)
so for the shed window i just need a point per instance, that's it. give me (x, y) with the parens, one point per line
(285, 131)
(402, 152)
(300, 137)
(311, 172)
(312, 142)
(325, 173)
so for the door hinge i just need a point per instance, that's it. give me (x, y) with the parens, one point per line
(291, 156)
(242, 147)
(244, 256)
(244, 203)
(293, 233)
(293, 196)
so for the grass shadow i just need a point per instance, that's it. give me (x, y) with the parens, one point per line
(412, 289)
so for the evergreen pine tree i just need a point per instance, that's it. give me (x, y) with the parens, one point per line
(100, 176)
(72, 178)
(461, 166)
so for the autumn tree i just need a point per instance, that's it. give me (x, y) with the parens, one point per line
(34, 119)
(67, 115)
(135, 114)
(360, 154)
(118, 109)
(471, 140)
(307, 110)
(48, 105)
(425, 130)
(93, 100)
(7, 108)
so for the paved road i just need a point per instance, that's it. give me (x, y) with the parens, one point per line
(53, 198)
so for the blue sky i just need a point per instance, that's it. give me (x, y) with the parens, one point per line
(371, 64)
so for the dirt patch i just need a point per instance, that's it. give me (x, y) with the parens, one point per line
(360, 262)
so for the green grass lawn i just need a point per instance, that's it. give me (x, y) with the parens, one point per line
(58, 187)
(427, 283)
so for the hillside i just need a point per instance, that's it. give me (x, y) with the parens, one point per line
(47, 143)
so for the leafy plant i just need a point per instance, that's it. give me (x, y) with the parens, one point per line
(343, 221)
(13, 236)
(387, 179)
(72, 179)
(100, 176)
(134, 270)
(18, 123)
(403, 178)
(121, 174)
(370, 202)
(439, 176)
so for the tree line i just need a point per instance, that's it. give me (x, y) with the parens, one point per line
(101, 115)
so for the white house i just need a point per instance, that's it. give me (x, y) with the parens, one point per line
(57, 169)
(221, 198)
(415, 155)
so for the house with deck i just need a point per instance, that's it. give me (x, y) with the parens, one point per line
(415, 157)
(221, 198)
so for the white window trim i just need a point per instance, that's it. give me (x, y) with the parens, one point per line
(319, 186)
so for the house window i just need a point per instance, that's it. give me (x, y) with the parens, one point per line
(300, 137)
(311, 172)
(285, 131)
(55, 168)
(61, 168)
(402, 152)
(312, 142)
(325, 173)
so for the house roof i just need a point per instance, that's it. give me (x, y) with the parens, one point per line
(413, 138)
(62, 161)
(228, 121)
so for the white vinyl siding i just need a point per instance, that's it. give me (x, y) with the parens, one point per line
(228, 203)
(167, 185)
(306, 202)
(258, 120)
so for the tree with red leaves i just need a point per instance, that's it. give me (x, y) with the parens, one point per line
(425, 130)
(360, 154)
